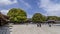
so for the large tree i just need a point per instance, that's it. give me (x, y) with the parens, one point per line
(17, 15)
(37, 17)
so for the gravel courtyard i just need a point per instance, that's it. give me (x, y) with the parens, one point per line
(33, 29)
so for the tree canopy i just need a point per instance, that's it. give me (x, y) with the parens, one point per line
(17, 15)
(37, 17)
(52, 18)
(58, 18)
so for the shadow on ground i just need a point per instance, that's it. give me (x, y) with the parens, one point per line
(5, 30)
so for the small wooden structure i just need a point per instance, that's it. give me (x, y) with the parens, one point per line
(3, 19)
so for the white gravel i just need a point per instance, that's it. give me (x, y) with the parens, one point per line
(33, 29)
(30, 29)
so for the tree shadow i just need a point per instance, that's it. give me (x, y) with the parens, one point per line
(5, 30)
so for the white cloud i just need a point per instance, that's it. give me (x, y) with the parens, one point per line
(4, 12)
(7, 2)
(26, 4)
(53, 9)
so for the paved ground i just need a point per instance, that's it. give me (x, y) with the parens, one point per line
(33, 29)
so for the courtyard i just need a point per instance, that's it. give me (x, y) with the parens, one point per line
(33, 29)
(30, 29)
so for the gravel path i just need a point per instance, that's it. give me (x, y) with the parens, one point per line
(33, 29)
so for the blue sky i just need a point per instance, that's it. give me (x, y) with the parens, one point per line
(45, 7)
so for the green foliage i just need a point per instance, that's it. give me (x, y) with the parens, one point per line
(52, 18)
(58, 18)
(37, 17)
(17, 15)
